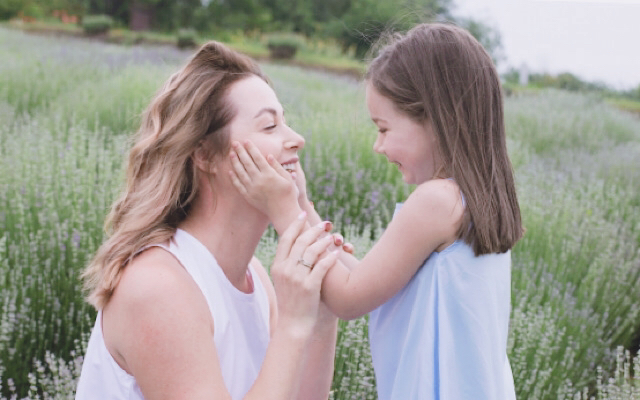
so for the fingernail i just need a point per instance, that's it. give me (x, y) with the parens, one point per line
(302, 215)
(232, 154)
(234, 144)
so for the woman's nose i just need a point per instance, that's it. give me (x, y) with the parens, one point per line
(294, 140)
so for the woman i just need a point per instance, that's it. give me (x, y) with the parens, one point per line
(184, 309)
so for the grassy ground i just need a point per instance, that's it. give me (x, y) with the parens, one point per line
(67, 108)
(315, 54)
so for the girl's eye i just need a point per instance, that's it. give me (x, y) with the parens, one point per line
(382, 130)
(270, 127)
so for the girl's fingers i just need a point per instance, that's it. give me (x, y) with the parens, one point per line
(349, 248)
(237, 183)
(288, 238)
(273, 163)
(338, 239)
(255, 154)
(245, 158)
(238, 168)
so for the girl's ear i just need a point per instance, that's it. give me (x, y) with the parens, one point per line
(203, 160)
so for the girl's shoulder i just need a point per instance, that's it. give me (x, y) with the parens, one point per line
(439, 194)
(441, 203)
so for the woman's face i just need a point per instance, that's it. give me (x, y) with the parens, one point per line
(260, 119)
(405, 142)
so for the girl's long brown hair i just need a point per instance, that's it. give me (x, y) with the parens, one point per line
(190, 110)
(439, 73)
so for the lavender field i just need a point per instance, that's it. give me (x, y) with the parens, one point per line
(68, 107)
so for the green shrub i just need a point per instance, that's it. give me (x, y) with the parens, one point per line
(9, 8)
(97, 24)
(284, 45)
(186, 38)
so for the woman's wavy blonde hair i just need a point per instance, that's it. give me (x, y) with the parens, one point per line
(191, 110)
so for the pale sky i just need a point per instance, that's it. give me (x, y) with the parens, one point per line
(597, 40)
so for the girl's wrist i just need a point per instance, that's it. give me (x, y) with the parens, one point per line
(285, 217)
(312, 216)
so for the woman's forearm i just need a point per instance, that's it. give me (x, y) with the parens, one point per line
(281, 373)
(318, 368)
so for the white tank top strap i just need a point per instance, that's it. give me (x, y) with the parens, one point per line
(241, 328)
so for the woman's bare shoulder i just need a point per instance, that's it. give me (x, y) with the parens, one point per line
(155, 289)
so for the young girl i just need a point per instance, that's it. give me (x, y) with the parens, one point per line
(184, 309)
(437, 283)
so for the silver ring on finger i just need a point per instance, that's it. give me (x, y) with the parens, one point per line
(306, 264)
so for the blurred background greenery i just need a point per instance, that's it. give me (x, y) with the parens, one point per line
(69, 105)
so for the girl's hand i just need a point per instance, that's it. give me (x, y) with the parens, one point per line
(265, 184)
(299, 266)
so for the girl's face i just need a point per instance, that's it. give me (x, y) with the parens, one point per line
(260, 119)
(405, 142)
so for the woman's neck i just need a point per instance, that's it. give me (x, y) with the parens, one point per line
(231, 230)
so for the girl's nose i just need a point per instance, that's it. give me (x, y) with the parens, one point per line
(377, 145)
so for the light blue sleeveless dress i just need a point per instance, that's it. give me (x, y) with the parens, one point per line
(444, 335)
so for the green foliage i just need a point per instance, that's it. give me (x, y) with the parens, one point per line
(186, 38)
(284, 45)
(10, 8)
(68, 109)
(33, 10)
(97, 24)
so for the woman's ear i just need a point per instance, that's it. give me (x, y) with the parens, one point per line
(203, 160)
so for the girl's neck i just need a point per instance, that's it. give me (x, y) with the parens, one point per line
(230, 229)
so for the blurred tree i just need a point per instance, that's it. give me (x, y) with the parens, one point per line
(117, 9)
(363, 21)
(488, 36)
(10, 8)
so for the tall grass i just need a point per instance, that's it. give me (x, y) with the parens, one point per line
(67, 109)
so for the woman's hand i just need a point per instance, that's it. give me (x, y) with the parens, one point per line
(265, 184)
(299, 266)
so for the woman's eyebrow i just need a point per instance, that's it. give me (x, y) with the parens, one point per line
(266, 109)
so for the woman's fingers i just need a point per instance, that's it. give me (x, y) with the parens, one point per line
(308, 237)
(322, 266)
(288, 238)
(313, 253)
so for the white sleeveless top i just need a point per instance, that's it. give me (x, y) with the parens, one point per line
(241, 330)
